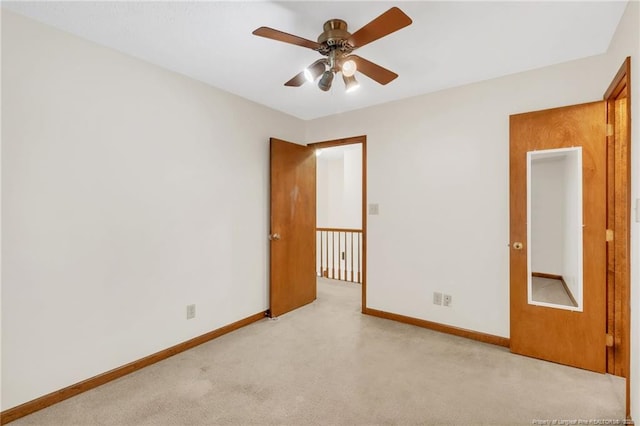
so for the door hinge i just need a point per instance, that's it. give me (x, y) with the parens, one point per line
(609, 340)
(609, 235)
(609, 130)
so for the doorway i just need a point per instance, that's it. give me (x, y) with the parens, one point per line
(292, 235)
(341, 211)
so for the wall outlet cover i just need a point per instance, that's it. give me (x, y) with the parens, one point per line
(191, 311)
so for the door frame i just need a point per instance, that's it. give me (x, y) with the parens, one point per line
(352, 141)
(619, 221)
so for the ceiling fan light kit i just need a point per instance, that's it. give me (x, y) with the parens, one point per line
(337, 45)
(349, 67)
(315, 70)
(350, 83)
(326, 80)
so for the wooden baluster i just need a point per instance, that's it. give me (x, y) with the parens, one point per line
(333, 255)
(325, 254)
(351, 254)
(344, 261)
(346, 256)
(340, 255)
(329, 269)
(359, 262)
(321, 255)
(326, 250)
(338, 258)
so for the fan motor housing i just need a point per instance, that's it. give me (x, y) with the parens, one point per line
(335, 30)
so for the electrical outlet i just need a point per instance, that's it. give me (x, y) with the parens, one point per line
(191, 311)
(446, 301)
(437, 298)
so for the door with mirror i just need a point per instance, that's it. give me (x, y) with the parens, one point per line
(558, 229)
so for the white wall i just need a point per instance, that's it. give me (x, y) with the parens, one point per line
(339, 187)
(547, 215)
(322, 193)
(572, 230)
(438, 165)
(128, 192)
(335, 191)
(353, 186)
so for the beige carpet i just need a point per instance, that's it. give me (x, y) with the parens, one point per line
(327, 364)
(550, 291)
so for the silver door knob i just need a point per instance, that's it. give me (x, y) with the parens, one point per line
(275, 236)
(517, 246)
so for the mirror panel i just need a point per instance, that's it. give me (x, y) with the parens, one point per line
(554, 228)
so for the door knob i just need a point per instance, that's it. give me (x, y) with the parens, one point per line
(275, 236)
(517, 246)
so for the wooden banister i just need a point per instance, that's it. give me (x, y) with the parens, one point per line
(339, 253)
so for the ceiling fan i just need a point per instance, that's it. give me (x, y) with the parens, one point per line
(337, 45)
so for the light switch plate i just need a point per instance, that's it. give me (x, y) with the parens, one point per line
(191, 311)
(373, 209)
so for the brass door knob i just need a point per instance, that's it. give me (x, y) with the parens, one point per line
(517, 246)
(275, 236)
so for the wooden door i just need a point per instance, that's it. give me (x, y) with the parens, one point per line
(564, 336)
(293, 227)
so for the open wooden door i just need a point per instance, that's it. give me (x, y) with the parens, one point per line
(293, 227)
(573, 334)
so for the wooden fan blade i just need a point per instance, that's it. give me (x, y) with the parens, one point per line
(390, 21)
(373, 71)
(315, 68)
(296, 81)
(285, 37)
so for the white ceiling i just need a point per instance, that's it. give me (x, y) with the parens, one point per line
(449, 43)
